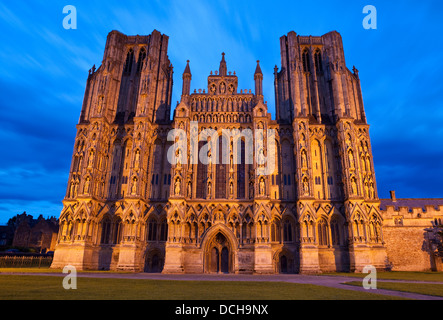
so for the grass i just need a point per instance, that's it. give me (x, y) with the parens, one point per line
(421, 288)
(48, 270)
(28, 287)
(396, 275)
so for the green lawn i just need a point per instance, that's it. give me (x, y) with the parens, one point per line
(421, 288)
(396, 275)
(24, 287)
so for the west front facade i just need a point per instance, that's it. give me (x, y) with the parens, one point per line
(222, 187)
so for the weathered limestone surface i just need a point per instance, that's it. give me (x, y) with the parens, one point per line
(129, 207)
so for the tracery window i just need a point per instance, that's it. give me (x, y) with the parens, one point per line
(305, 58)
(317, 60)
(129, 61)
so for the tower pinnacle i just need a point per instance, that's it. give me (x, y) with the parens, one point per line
(223, 69)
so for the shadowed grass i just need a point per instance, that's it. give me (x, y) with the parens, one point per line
(24, 287)
(421, 288)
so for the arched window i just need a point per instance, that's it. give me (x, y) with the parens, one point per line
(106, 231)
(317, 60)
(163, 230)
(322, 229)
(141, 58)
(129, 61)
(202, 175)
(287, 231)
(248, 229)
(117, 231)
(335, 232)
(275, 231)
(152, 230)
(220, 169)
(305, 57)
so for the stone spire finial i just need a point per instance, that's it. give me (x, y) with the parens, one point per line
(258, 69)
(187, 69)
(223, 68)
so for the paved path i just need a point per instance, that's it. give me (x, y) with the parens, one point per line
(327, 281)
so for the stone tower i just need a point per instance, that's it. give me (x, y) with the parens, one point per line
(222, 187)
(321, 100)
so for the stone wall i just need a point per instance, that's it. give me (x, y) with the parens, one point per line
(409, 235)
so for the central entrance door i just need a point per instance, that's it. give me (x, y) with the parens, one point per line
(218, 257)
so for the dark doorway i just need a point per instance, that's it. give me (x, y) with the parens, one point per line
(224, 260)
(218, 255)
(155, 263)
(214, 260)
(283, 264)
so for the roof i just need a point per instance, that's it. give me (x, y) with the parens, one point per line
(411, 203)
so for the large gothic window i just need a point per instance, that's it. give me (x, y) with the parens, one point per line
(305, 58)
(317, 60)
(287, 231)
(141, 58)
(220, 183)
(163, 230)
(201, 175)
(322, 231)
(241, 174)
(156, 169)
(129, 61)
(152, 230)
(275, 231)
(117, 231)
(335, 232)
(106, 231)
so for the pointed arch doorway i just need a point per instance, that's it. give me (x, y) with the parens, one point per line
(218, 255)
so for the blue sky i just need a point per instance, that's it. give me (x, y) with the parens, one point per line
(44, 67)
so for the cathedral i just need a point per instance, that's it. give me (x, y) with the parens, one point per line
(221, 187)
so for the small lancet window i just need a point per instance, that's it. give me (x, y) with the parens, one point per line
(305, 57)
(317, 59)
(141, 59)
(129, 61)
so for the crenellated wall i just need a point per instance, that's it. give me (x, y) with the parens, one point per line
(409, 231)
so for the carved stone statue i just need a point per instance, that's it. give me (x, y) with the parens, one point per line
(177, 187)
(209, 190)
(304, 160)
(262, 187)
(86, 187)
(134, 186)
(178, 155)
(137, 158)
(91, 159)
(71, 191)
(305, 186)
(189, 190)
(354, 186)
(351, 159)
